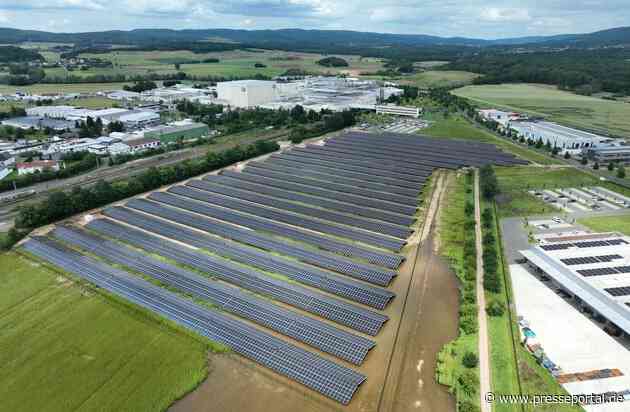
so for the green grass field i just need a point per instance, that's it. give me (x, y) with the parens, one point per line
(608, 223)
(514, 182)
(585, 112)
(456, 127)
(432, 78)
(238, 63)
(65, 347)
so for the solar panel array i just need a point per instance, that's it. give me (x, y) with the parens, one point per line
(320, 374)
(604, 271)
(619, 291)
(584, 244)
(308, 275)
(590, 259)
(302, 244)
(311, 331)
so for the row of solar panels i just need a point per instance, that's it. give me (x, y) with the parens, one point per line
(585, 260)
(176, 204)
(584, 244)
(316, 372)
(308, 275)
(390, 229)
(418, 149)
(604, 271)
(619, 291)
(311, 331)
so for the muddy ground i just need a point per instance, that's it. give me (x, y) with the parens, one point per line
(400, 369)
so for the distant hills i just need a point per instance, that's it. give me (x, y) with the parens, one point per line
(305, 39)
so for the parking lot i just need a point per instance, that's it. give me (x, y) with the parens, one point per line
(584, 199)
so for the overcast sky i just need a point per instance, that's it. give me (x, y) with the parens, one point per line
(471, 18)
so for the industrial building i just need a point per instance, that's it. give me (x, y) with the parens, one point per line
(592, 269)
(246, 93)
(24, 168)
(132, 119)
(609, 153)
(397, 110)
(556, 135)
(27, 122)
(170, 134)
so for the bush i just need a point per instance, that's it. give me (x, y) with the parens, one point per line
(468, 324)
(469, 382)
(470, 360)
(467, 406)
(495, 308)
(621, 172)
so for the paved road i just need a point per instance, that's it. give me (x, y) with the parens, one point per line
(484, 356)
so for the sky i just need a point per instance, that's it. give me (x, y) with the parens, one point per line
(473, 18)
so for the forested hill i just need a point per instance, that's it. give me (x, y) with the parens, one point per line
(298, 38)
(12, 54)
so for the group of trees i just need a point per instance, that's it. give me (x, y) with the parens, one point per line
(90, 127)
(141, 86)
(59, 205)
(582, 71)
(332, 61)
(76, 163)
(329, 122)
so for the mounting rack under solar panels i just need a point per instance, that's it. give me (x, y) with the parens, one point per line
(327, 194)
(590, 259)
(322, 242)
(313, 332)
(372, 274)
(308, 275)
(387, 151)
(384, 183)
(350, 315)
(403, 180)
(277, 215)
(341, 186)
(236, 182)
(619, 291)
(322, 375)
(378, 227)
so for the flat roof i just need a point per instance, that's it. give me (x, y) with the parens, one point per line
(563, 265)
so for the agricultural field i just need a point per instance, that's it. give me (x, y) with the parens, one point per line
(608, 224)
(51, 88)
(431, 78)
(237, 63)
(588, 113)
(456, 127)
(65, 347)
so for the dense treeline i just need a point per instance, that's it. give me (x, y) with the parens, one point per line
(332, 61)
(60, 205)
(328, 123)
(489, 188)
(13, 54)
(582, 71)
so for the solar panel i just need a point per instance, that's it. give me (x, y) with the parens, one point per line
(341, 186)
(619, 291)
(555, 247)
(319, 258)
(234, 181)
(313, 332)
(590, 259)
(316, 240)
(280, 216)
(378, 227)
(326, 194)
(324, 376)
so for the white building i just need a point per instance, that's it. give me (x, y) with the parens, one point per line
(246, 93)
(397, 110)
(36, 166)
(501, 117)
(557, 135)
(140, 145)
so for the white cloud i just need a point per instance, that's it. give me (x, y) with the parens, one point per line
(501, 15)
(4, 17)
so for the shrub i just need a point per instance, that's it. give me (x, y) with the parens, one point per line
(468, 382)
(468, 324)
(495, 308)
(467, 406)
(470, 360)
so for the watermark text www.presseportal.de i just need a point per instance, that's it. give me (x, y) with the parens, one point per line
(555, 399)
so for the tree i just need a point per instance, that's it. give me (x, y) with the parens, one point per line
(584, 161)
(611, 166)
(468, 382)
(567, 155)
(177, 66)
(621, 172)
(596, 166)
(495, 309)
(470, 360)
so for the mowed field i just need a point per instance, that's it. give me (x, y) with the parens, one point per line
(44, 88)
(584, 112)
(236, 63)
(608, 223)
(64, 347)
